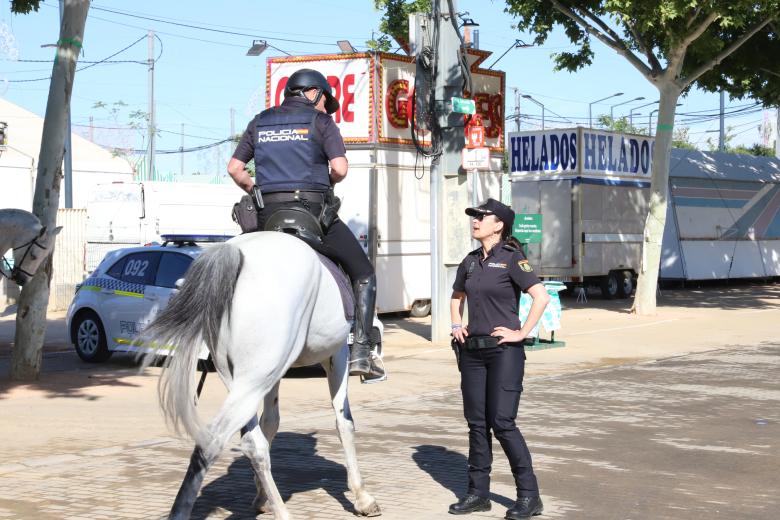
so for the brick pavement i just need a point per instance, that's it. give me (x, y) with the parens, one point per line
(677, 438)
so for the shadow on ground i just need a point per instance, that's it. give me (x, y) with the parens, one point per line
(63, 374)
(448, 468)
(717, 294)
(297, 468)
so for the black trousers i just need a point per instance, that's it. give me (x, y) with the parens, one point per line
(491, 383)
(339, 244)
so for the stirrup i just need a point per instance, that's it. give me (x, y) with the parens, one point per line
(377, 372)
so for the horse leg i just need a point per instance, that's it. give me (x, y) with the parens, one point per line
(338, 377)
(238, 409)
(269, 424)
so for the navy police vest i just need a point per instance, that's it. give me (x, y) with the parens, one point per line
(287, 157)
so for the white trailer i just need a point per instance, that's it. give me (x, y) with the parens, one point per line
(124, 214)
(581, 196)
(584, 193)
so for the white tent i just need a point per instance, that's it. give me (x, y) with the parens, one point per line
(92, 164)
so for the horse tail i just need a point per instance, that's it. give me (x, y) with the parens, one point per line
(193, 316)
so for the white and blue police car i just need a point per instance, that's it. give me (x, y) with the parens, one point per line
(126, 291)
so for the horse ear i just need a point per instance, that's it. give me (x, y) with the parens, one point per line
(42, 232)
(57, 230)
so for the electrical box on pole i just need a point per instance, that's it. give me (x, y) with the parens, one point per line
(437, 45)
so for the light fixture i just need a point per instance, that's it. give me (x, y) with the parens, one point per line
(611, 108)
(590, 106)
(466, 21)
(346, 47)
(519, 44)
(529, 98)
(257, 48)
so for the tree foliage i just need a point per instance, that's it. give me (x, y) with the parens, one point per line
(395, 22)
(25, 6)
(699, 38)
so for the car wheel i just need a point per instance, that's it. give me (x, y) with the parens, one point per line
(89, 338)
(610, 285)
(420, 308)
(626, 284)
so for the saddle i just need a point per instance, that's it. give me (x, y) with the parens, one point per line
(302, 224)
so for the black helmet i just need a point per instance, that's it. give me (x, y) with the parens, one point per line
(305, 79)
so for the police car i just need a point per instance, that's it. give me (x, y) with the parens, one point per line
(126, 291)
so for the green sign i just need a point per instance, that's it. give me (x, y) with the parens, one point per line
(464, 106)
(528, 228)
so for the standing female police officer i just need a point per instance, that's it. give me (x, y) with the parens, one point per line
(299, 154)
(492, 358)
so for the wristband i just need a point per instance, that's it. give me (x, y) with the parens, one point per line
(456, 326)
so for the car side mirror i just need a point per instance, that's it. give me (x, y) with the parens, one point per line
(178, 283)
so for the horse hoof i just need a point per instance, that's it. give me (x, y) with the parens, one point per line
(372, 510)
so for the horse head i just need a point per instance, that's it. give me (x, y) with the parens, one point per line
(29, 256)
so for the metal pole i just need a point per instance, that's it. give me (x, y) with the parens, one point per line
(151, 128)
(68, 158)
(590, 115)
(542, 117)
(722, 132)
(517, 109)
(450, 235)
(476, 38)
(181, 152)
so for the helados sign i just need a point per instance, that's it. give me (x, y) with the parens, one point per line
(580, 152)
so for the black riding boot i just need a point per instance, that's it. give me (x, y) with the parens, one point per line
(365, 300)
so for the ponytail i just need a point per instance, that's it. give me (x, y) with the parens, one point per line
(509, 240)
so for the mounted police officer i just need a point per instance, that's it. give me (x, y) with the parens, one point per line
(299, 155)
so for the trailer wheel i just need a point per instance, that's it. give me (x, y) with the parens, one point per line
(610, 285)
(626, 286)
(420, 308)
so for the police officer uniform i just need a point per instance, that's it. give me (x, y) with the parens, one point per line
(292, 145)
(492, 374)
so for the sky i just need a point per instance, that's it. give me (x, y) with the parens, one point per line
(201, 75)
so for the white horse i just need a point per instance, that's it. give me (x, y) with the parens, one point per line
(262, 303)
(31, 243)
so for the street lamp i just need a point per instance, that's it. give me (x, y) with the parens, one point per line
(345, 46)
(590, 106)
(526, 96)
(631, 112)
(257, 48)
(650, 122)
(612, 117)
(519, 44)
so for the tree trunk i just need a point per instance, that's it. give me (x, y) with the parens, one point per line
(644, 301)
(31, 311)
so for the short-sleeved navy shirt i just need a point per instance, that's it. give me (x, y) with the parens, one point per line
(492, 286)
(327, 134)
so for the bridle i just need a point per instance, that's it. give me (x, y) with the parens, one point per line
(13, 272)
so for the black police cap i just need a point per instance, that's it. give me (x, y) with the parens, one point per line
(492, 207)
(304, 79)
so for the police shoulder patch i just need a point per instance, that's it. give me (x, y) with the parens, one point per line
(525, 266)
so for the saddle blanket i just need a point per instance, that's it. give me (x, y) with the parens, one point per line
(347, 298)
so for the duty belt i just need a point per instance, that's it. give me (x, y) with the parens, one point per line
(480, 342)
(315, 197)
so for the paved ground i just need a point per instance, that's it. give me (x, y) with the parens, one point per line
(671, 416)
(678, 438)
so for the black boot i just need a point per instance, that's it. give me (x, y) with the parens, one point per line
(470, 504)
(365, 301)
(524, 508)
